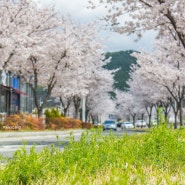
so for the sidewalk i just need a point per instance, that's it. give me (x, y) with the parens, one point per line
(6, 134)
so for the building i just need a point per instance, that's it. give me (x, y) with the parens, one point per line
(15, 95)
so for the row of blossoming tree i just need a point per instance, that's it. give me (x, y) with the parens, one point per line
(158, 79)
(46, 48)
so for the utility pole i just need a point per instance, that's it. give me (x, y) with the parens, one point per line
(83, 108)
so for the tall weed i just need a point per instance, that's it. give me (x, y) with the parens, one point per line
(164, 147)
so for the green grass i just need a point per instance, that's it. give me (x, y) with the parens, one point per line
(157, 157)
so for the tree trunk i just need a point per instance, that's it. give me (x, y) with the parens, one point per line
(149, 120)
(181, 112)
(77, 101)
(175, 122)
(157, 112)
(166, 112)
(76, 115)
(175, 107)
(65, 111)
(142, 116)
(149, 112)
(39, 112)
(133, 119)
(86, 114)
(65, 105)
(93, 119)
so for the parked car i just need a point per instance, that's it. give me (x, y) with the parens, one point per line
(140, 123)
(109, 124)
(127, 125)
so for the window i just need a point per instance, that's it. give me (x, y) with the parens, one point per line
(15, 82)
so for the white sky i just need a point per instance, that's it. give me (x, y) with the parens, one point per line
(78, 11)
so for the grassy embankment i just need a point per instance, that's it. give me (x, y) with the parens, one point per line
(157, 157)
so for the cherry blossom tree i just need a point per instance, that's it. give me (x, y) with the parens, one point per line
(100, 105)
(165, 68)
(83, 68)
(97, 89)
(137, 16)
(99, 101)
(38, 44)
(26, 33)
(144, 93)
(21, 23)
(128, 106)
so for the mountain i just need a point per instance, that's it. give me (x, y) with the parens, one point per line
(122, 60)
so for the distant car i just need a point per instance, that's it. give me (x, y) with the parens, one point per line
(98, 124)
(119, 124)
(140, 123)
(127, 125)
(109, 124)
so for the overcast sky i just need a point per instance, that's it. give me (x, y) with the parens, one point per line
(78, 11)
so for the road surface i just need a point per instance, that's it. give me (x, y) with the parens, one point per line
(11, 141)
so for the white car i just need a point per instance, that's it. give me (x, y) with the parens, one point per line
(127, 125)
(140, 123)
(109, 124)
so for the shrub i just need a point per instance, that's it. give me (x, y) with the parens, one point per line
(63, 123)
(53, 121)
(87, 125)
(34, 123)
(1, 125)
(66, 123)
(22, 122)
(53, 113)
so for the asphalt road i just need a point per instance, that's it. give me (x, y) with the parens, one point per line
(11, 141)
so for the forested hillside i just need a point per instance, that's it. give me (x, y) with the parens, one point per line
(122, 60)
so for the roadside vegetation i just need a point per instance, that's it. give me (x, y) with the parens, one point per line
(156, 157)
(53, 121)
